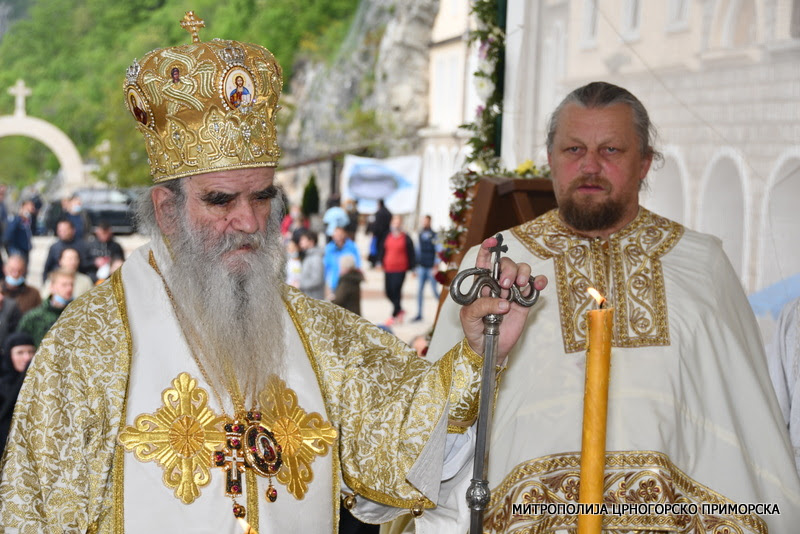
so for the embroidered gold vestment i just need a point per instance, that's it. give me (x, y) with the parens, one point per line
(94, 423)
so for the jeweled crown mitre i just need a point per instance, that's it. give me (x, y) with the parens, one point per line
(205, 106)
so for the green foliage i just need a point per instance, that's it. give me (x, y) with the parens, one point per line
(310, 204)
(25, 160)
(73, 55)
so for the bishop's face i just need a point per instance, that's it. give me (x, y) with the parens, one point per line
(229, 209)
(597, 167)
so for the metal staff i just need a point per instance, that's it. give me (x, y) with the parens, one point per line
(478, 494)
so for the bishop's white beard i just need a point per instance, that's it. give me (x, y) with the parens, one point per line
(232, 309)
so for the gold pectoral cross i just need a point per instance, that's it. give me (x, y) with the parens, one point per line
(248, 445)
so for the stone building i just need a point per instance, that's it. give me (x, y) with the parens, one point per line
(452, 100)
(721, 79)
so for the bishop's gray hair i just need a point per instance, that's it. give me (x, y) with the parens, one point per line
(146, 222)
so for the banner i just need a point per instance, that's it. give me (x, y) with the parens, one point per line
(395, 180)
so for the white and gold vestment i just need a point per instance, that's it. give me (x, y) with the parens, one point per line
(115, 425)
(692, 416)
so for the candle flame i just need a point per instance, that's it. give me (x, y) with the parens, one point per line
(601, 300)
(246, 528)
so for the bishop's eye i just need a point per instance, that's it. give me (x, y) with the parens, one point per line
(217, 198)
(268, 193)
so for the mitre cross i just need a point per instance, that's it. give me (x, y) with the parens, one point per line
(192, 24)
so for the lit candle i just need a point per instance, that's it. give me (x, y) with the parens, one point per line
(595, 408)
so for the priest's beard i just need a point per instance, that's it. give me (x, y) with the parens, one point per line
(587, 216)
(231, 309)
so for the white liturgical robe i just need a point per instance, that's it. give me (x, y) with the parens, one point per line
(692, 417)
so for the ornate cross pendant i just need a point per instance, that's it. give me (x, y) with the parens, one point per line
(248, 445)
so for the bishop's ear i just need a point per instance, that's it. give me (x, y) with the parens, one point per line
(164, 205)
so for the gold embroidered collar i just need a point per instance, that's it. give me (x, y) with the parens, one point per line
(626, 267)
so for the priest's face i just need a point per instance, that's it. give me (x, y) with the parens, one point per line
(597, 168)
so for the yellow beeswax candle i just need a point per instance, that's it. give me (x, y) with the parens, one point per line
(595, 408)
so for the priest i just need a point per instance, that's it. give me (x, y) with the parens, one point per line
(692, 417)
(194, 391)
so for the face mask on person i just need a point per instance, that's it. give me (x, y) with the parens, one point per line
(61, 301)
(15, 282)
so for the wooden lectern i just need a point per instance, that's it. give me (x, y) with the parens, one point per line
(500, 203)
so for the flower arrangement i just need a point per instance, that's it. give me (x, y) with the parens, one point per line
(463, 183)
(491, 49)
(484, 157)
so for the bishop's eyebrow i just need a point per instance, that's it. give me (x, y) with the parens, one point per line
(267, 193)
(217, 198)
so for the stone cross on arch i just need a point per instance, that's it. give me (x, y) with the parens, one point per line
(20, 91)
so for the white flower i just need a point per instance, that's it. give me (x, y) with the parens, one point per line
(486, 65)
(484, 87)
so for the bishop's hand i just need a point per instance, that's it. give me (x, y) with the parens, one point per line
(514, 315)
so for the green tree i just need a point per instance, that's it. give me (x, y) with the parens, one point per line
(73, 55)
(310, 204)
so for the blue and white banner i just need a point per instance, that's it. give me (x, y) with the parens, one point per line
(395, 180)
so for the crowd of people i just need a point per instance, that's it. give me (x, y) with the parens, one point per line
(335, 270)
(73, 266)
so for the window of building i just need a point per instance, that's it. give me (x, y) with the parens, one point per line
(589, 34)
(631, 19)
(446, 91)
(677, 15)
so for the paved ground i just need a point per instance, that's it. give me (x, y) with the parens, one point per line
(375, 307)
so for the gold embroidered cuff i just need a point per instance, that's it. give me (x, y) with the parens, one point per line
(465, 387)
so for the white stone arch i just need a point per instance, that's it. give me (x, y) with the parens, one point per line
(724, 207)
(778, 255)
(667, 192)
(53, 138)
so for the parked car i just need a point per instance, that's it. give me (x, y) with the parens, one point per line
(110, 206)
